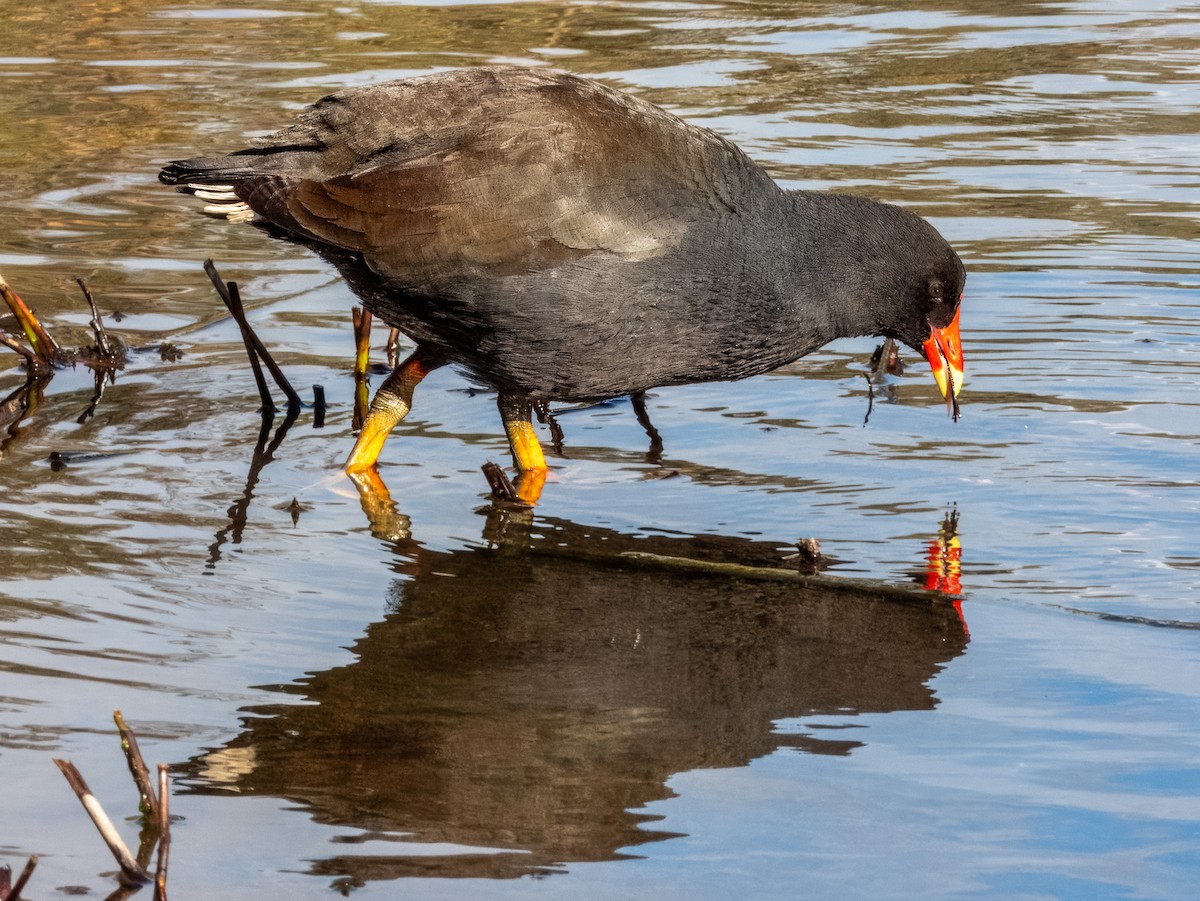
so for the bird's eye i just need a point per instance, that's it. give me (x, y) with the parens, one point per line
(936, 291)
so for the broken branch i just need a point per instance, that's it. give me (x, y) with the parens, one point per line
(137, 767)
(164, 833)
(500, 484)
(361, 318)
(130, 868)
(43, 345)
(255, 349)
(33, 362)
(97, 324)
(12, 892)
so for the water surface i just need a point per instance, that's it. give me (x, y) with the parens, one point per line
(401, 703)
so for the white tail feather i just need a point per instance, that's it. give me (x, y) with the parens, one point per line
(234, 212)
(215, 196)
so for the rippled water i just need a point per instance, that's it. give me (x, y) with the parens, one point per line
(349, 700)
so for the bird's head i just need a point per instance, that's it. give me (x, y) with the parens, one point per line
(919, 291)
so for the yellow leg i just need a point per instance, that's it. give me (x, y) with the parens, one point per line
(392, 402)
(526, 449)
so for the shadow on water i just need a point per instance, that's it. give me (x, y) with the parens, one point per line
(522, 703)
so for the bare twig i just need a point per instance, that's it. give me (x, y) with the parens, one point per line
(33, 362)
(362, 404)
(137, 767)
(97, 324)
(502, 487)
(10, 891)
(393, 347)
(255, 349)
(164, 833)
(261, 349)
(361, 317)
(43, 345)
(226, 293)
(129, 867)
(319, 406)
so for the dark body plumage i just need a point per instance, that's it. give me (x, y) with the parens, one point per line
(561, 240)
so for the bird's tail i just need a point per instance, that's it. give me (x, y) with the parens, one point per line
(214, 180)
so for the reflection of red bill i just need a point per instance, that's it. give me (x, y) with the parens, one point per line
(944, 565)
(943, 350)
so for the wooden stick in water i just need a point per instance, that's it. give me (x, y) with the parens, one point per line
(43, 345)
(36, 365)
(361, 318)
(97, 324)
(238, 314)
(294, 402)
(255, 349)
(129, 866)
(393, 347)
(137, 767)
(164, 833)
(502, 487)
(12, 892)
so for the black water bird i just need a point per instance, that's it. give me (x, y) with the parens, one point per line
(560, 240)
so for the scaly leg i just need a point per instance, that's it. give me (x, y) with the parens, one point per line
(392, 402)
(515, 410)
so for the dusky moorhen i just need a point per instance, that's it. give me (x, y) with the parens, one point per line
(561, 240)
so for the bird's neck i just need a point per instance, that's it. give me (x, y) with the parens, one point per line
(830, 262)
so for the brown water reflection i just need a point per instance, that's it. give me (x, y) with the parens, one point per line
(532, 699)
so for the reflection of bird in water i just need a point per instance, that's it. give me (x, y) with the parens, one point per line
(532, 699)
(562, 241)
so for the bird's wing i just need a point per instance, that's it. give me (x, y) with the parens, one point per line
(513, 174)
